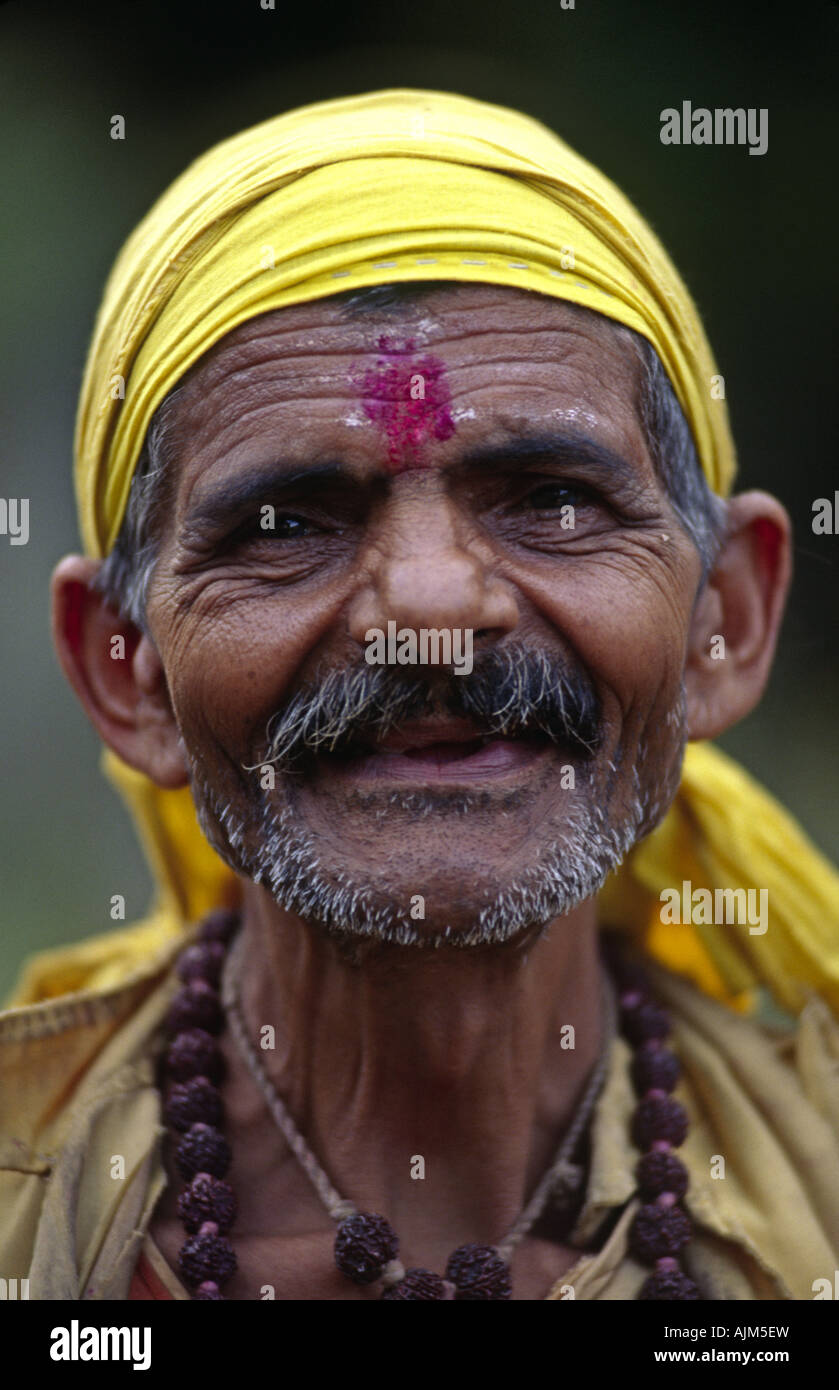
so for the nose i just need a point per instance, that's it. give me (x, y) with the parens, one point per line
(426, 572)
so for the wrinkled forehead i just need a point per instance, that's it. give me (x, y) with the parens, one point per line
(425, 315)
(399, 338)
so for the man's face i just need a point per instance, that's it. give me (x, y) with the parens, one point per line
(421, 470)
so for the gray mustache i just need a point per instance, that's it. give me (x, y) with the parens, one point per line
(511, 690)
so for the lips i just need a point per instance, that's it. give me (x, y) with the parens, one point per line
(444, 749)
(420, 736)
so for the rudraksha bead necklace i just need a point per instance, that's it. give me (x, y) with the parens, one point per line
(366, 1248)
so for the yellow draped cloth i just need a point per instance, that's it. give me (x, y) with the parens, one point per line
(415, 185)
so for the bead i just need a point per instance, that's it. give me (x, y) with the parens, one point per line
(659, 1117)
(202, 1150)
(208, 1290)
(207, 1257)
(207, 1199)
(219, 925)
(195, 1053)
(363, 1246)
(417, 1284)
(189, 1102)
(655, 1069)
(675, 1287)
(203, 961)
(661, 1172)
(647, 1020)
(197, 1005)
(658, 1231)
(479, 1272)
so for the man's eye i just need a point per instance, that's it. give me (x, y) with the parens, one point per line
(287, 526)
(279, 526)
(549, 495)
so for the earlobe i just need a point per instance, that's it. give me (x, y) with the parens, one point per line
(117, 674)
(737, 618)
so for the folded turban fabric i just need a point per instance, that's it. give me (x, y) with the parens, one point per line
(415, 185)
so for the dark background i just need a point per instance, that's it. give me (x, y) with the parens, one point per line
(754, 236)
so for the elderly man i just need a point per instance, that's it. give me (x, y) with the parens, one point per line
(389, 375)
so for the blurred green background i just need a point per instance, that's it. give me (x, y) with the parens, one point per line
(755, 238)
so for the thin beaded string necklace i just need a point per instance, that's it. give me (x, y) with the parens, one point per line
(366, 1248)
(364, 1239)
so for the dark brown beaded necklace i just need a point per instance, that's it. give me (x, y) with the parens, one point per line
(366, 1247)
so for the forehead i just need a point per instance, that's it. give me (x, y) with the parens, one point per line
(321, 332)
(505, 355)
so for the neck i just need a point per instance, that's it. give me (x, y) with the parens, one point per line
(459, 1057)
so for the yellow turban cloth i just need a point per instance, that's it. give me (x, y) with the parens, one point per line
(415, 185)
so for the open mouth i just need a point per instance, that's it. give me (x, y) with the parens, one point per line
(438, 750)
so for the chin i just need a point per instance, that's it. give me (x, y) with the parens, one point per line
(469, 884)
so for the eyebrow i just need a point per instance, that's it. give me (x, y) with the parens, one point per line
(240, 493)
(601, 462)
(236, 496)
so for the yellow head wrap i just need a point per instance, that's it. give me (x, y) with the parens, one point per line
(413, 185)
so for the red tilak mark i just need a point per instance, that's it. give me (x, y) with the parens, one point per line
(409, 398)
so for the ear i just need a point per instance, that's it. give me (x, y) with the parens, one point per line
(117, 674)
(737, 618)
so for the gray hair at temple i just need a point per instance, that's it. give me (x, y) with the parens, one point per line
(125, 575)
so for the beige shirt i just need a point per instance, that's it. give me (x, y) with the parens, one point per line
(77, 1093)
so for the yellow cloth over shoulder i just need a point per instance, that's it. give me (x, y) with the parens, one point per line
(412, 185)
